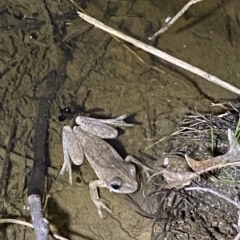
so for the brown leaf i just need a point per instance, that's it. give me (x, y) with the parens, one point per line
(175, 179)
(178, 179)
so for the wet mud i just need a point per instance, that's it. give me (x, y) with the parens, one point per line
(97, 76)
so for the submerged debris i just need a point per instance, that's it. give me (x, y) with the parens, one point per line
(201, 136)
(232, 157)
(175, 172)
(210, 130)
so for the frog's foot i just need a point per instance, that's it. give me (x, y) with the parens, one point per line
(95, 197)
(100, 206)
(67, 166)
(118, 122)
(134, 160)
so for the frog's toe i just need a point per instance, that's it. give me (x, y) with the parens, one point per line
(67, 167)
(100, 207)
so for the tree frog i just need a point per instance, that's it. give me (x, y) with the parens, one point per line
(86, 139)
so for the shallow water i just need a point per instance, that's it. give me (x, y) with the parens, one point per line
(110, 81)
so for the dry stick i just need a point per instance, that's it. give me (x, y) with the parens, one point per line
(160, 54)
(135, 54)
(40, 224)
(174, 19)
(37, 180)
(54, 80)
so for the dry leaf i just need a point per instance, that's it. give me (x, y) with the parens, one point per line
(178, 179)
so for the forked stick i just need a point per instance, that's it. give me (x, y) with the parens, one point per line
(174, 19)
(160, 54)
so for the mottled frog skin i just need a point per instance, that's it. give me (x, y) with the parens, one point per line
(86, 139)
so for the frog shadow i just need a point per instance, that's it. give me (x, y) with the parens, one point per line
(60, 218)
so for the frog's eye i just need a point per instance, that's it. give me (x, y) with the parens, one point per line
(116, 183)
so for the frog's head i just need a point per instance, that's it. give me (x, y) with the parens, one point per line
(124, 183)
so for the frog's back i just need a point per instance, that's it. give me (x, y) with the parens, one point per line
(98, 152)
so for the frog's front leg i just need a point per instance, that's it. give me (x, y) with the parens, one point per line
(72, 149)
(95, 196)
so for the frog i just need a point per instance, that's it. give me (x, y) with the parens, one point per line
(113, 172)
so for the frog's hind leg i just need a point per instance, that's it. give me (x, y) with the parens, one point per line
(96, 127)
(102, 127)
(71, 149)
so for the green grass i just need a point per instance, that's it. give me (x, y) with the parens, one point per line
(237, 131)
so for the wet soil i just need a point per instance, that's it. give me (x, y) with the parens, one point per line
(102, 78)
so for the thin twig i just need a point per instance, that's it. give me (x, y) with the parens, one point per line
(27, 224)
(174, 19)
(151, 145)
(160, 54)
